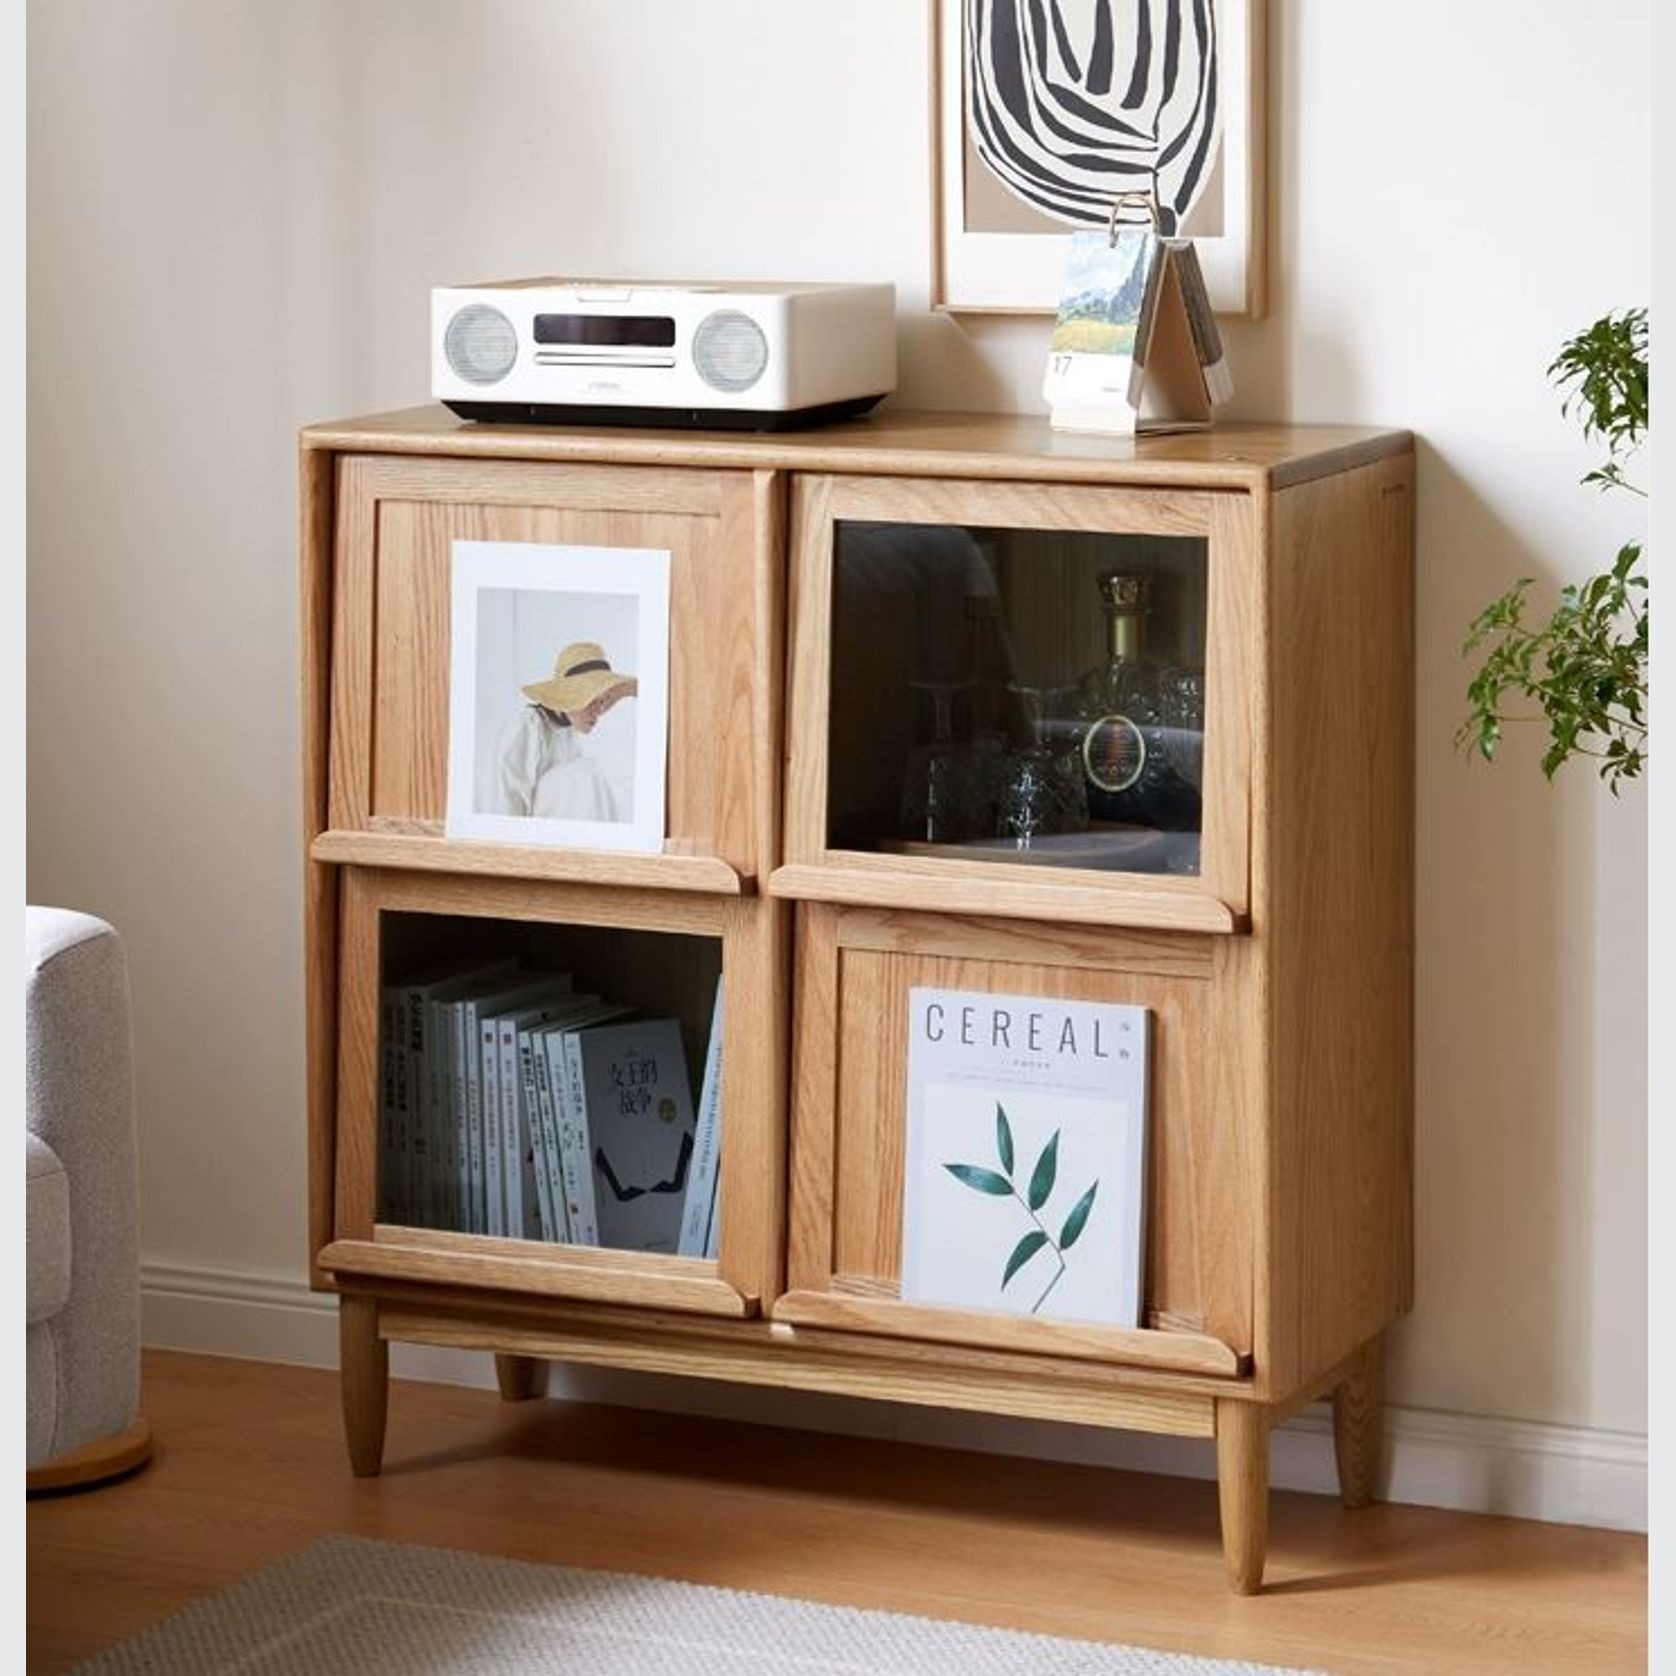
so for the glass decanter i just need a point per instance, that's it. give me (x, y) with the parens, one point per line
(1127, 763)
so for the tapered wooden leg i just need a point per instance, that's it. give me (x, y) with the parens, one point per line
(1358, 1424)
(1242, 1482)
(521, 1377)
(364, 1374)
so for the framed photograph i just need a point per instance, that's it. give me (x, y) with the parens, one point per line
(1046, 112)
(558, 702)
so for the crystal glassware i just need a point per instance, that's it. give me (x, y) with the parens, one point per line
(1042, 785)
(1182, 694)
(942, 801)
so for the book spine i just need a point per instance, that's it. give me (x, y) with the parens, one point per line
(713, 1228)
(389, 1150)
(529, 1089)
(527, 1167)
(419, 1151)
(454, 1117)
(401, 1184)
(489, 1120)
(701, 1176)
(467, 1129)
(547, 1117)
(506, 1109)
(574, 1152)
(533, 1225)
(436, 1076)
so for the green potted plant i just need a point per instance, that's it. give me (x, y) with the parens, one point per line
(1585, 669)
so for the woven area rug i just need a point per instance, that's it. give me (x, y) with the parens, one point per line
(348, 1607)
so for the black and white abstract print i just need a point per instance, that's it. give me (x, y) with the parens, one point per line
(1073, 102)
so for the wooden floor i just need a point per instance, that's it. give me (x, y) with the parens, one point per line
(250, 1465)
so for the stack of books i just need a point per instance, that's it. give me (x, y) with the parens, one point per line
(515, 1106)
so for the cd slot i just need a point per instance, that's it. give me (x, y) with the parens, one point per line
(585, 358)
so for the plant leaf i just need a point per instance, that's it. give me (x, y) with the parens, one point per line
(985, 1181)
(1078, 1219)
(1003, 1138)
(1022, 1253)
(1042, 1177)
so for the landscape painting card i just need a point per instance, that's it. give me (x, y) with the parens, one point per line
(1095, 354)
(1049, 110)
(1135, 346)
(1025, 1187)
(558, 703)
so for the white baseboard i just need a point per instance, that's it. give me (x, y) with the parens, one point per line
(1475, 1463)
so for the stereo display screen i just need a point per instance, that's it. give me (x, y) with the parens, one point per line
(607, 331)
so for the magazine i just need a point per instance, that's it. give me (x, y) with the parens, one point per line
(1026, 1155)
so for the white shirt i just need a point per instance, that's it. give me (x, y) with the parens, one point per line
(541, 769)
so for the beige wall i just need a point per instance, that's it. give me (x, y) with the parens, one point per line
(235, 213)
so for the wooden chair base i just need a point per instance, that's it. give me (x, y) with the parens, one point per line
(95, 1463)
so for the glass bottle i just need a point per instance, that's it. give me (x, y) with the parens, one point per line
(1126, 756)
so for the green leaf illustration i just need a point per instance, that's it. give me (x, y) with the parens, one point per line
(985, 1181)
(1042, 1177)
(1022, 1253)
(1003, 1138)
(1077, 1220)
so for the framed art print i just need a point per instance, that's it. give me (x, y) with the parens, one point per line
(558, 696)
(1047, 110)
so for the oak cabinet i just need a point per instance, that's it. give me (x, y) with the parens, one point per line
(833, 593)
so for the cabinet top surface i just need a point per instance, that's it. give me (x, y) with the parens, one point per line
(897, 443)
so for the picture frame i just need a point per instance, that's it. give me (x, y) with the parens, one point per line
(994, 253)
(558, 699)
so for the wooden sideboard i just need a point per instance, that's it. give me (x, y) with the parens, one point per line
(1273, 951)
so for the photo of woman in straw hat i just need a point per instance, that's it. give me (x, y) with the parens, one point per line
(558, 694)
(540, 766)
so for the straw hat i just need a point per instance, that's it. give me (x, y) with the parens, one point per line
(581, 672)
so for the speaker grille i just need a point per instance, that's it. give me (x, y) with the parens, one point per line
(480, 344)
(729, 351)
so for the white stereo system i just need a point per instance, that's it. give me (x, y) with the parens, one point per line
(751, 356)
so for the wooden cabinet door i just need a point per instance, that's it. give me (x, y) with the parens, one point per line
(970, 611)
(844, 1261)
(397, 518)
(660, 952)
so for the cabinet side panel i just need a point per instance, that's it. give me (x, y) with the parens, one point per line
(355, 1182)
(814, 1056)
(755, 1082)
(315, 481)
(1339, 919)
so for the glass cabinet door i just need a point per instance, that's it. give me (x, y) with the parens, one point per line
(559, 1091)
(1038, 690)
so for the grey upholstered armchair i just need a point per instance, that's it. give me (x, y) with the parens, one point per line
(83, 1199)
